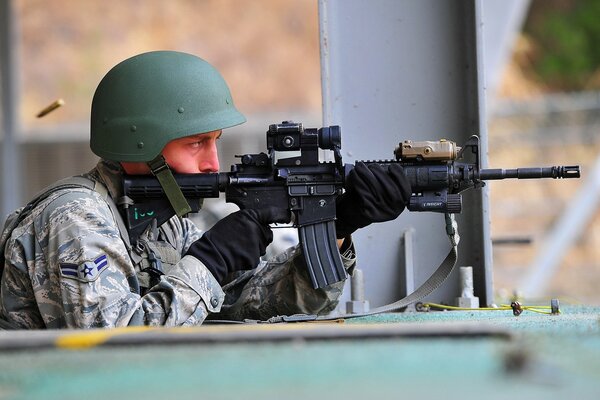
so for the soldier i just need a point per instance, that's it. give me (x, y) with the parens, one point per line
(69, 262)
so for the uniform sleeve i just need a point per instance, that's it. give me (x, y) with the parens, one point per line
(82, 275)
(280, 287)
(190, 234)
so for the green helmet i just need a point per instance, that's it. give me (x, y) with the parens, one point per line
(152, 98)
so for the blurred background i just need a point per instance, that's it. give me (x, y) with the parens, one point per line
(544, 109)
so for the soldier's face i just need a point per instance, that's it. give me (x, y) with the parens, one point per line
(193, 154)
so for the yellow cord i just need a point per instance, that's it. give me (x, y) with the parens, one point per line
(502, 307)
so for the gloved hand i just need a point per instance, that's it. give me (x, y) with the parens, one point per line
(373, 194)
(237, 241)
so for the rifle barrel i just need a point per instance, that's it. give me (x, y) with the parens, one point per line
(555, 172)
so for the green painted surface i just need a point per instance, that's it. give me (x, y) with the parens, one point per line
(572, 320)
(552, 357)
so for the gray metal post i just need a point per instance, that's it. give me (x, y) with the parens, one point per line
(11, 165)
(408, 69)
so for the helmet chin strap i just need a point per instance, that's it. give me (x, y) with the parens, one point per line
(165, 177)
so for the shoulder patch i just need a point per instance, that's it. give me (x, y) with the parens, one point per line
(88, 271)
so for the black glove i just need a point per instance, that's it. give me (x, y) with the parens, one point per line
(237, 241)
(373, 194)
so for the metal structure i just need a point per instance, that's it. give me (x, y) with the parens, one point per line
(399, 78)
(11, 161)
(546, 125)
(564, 235)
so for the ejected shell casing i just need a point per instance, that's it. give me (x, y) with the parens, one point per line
(55, 104)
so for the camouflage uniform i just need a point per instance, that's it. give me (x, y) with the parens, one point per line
(68, 267)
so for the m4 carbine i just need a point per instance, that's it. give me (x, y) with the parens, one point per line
(437, 171)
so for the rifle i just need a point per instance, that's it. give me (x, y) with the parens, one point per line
(438, 172)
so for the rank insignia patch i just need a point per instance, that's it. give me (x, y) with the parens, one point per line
(86, 272)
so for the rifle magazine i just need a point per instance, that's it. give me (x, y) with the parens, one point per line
(321, 253)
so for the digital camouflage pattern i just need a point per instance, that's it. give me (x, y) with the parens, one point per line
(68, 267)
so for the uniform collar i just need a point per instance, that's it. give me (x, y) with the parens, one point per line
(110, 173)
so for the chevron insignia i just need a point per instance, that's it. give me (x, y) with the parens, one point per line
(86, 272)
